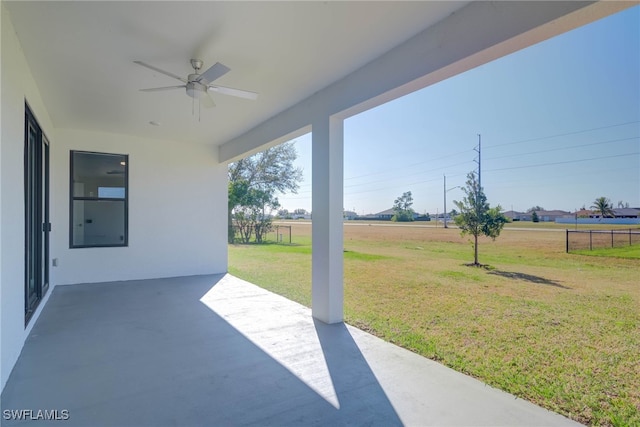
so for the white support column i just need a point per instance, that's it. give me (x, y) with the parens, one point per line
(327, 233)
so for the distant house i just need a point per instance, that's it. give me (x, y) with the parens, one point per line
(551, 216)
(619, 213)
(386, 215)
(301, 216)
(517, 216)
(349, 215)
(627, 213)
(543, 216)
(582, 213)
(584, 216)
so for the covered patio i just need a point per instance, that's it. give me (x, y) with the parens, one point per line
(216, 350)
(139, 324)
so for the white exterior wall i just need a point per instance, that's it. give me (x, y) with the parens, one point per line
(177, 205)
(177, 211)
(16, 87)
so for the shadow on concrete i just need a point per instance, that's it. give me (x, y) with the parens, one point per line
(149, 353)
(359, 392)
(528, 278)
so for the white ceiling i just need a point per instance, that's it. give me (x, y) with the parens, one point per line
(81, 55)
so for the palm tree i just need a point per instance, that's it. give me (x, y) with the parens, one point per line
(604, 207)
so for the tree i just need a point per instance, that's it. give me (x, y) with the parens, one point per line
(402, 208)
(249, 214)
(622, 204)
(535, 208)
(534, 217)
(283, 213)
(604, 207)
(253, 184)
(476, 217)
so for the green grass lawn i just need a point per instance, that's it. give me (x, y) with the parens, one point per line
(561, 330)
(621, 252)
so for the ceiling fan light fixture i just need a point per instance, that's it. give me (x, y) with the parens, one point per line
(196, 90)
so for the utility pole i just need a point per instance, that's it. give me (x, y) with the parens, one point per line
(479, 161)
(445, 200)
(478, 190)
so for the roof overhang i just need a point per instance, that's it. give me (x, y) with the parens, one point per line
(305, 59)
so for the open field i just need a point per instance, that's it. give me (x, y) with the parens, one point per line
(561, 330)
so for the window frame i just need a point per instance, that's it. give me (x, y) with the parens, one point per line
(73, 198)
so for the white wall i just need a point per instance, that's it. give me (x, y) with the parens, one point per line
(177, 204)
(177, 211)
(16, 87)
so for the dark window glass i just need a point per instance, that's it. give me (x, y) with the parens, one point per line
(99, 200)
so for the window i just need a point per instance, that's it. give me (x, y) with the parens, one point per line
(99, 200)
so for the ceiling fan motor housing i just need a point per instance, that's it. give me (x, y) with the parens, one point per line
(197, 64)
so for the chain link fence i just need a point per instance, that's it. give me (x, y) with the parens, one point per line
(599, 239)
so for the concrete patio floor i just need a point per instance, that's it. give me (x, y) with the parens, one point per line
(218, 351)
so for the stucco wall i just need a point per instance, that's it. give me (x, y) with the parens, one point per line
(177, 211)
(177, 204)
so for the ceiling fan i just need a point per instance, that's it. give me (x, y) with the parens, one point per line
(199, 85)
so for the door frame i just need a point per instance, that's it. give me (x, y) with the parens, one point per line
(36, 214)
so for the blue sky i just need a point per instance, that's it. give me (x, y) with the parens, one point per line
(560, 126)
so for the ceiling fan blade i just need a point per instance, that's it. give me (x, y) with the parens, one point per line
(166, 73)
(160, 89)
(234, 92)
(216, 71)
(207, 101)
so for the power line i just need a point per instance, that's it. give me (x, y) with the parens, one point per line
(563, 134)
(540, 181)
(432, 171)
(499, 145)
(404, 167)
(565, 162)
(460, 174)
(564, 148)
(408, 166)
(411, 174)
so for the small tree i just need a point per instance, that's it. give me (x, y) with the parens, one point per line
(535, 208)
(402, 208)
(604, 207)
(476, 217)
(534, 217)
(250, 211)
(269, 172)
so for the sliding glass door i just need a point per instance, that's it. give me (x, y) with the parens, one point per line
(37, 226)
